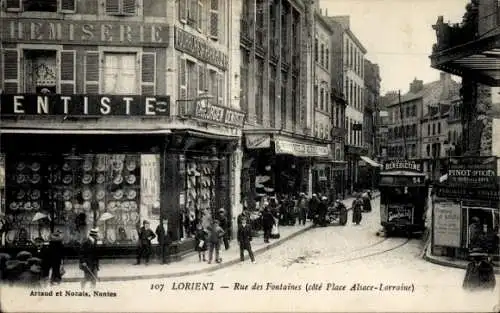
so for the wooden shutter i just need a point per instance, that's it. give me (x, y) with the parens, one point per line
(193, 13)
(182, 79)
(92, 72)
(112, 6)
(183, 8)
(220, 88)
(214, 19)
(67, 6)
(67, 72)
(13, 5)
(11, 63)
(129, 7)
(148, 73)
(199, 19)
(202, 78)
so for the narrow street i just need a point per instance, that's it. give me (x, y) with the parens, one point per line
(333, 258)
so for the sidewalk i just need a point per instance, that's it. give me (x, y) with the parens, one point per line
(123, 269)
(450, 262)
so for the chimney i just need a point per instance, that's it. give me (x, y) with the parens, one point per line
(416, 85)
(326, 12)
(446, 85)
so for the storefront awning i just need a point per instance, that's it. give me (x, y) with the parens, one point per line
(370, 161)
(299, 149)
(83, 131)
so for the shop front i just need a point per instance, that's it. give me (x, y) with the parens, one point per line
(277, 165)
(466, 208)
(352, 174)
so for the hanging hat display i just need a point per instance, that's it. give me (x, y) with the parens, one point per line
(118, 180)
(36, 206)
(66, 167)
(131, 179)
(131, 165)
(35, 194)
(87, 178)
(117, 165)
(67, 194)
(102, 206)
(111, 235)
(131, 194)
(20, 195)
(100, 194)
(87, 165)
(86, 194)
(134, 217)
(118, 194)
(133, 206)
(112, 206)
(35, 179)
(67, 179)
(14, 206)
(101, 166)
(27, 206)
(35, 166)
(20, 179)
(100, 178)
(106, 216)
(68, 205)
(20, 166)
(86, 205)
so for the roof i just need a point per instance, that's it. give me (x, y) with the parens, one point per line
(431, 93)
(343, 21)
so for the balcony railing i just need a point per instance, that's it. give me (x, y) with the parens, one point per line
(452, 35)
(246, 31)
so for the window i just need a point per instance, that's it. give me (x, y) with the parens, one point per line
(439, 128)
(272, 95)
(433, 129)
(322, 59)
(316, 95)
(283, 98)
(214, 19)
(192, 80)
(121, 7)
(295, 99)
(40, 71)
(327, 58)
(322, 99)
(244, 80)
(316, 50)
(120, 73)
(428, 129)
(259, 90)
(64, 6)
(337, 117)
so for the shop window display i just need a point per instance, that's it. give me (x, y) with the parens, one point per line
(72, 194)
(201, 186)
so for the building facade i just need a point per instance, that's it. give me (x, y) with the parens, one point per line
(352, 58)
(282, 140)
(138, 95)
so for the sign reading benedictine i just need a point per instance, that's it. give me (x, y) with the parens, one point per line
(207, 111)
(85, 32)
(402, 165)
(283, 146)
(84, 105)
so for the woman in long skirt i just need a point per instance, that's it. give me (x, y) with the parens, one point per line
(357, 209)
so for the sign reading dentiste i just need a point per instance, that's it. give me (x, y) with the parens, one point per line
(84, 105)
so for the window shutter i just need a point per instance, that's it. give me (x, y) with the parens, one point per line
(148, 71)
(182, 79)
(129, 7)
(183, 7)
(14, 5)
(67, 72)
(220, 89)
(202, 81)
(68, 6)
(193, 13)
(11, 71)
(92, 72)
(199, 20)
(112, 6)
(214, 19)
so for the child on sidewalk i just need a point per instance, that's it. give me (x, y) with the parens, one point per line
(215, 233)
(201, 242)
(244, 239)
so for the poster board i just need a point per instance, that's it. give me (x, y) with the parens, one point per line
(447, 224)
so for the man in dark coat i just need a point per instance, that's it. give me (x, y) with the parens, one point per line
(267, 224)
(313, 205)
(244, 239)
(55, 256)
(244, 214)
(145, 237)
(164, 241)
(357, 210)
(479, 274)
(224, 224)
(322, 211)
(89, 261)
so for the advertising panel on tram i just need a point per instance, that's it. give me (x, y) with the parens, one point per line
(403, 196)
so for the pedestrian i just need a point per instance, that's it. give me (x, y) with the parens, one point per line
(89, 261)
(313, 204)
(244, 239)
(55, 253)
(201, 242)
(479, 274)
(267, 224)
(244, 214)
(475, 233)
(223, 222)
(367, 206)
(164, 241)
(357, 209)
(42, 252)
(144, 248)
(322, 211)
(4, 257)
(215, 234)
(302, 205)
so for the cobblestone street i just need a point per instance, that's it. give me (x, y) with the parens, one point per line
(333, 258)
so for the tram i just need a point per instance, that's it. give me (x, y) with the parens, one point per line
(403, 197)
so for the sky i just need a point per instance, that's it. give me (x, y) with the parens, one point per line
(397, 34)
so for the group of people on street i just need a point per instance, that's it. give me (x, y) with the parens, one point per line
(211, 233)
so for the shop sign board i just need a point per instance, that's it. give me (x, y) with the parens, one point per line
(84, 105)
(400, 214)
(207, 111)
(258, 141)
(283, 146)
(447, 225)
(85, 32)
(473, 171)
(402, 165)
(199, 48)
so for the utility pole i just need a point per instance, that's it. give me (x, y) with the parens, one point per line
(402, 125)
